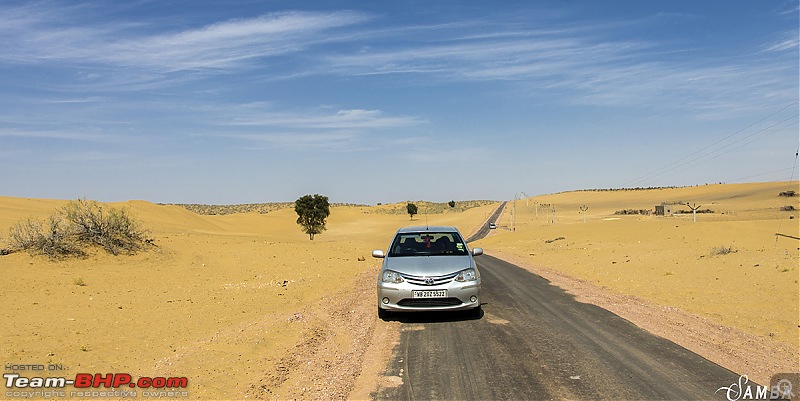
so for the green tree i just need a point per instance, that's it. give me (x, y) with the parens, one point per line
(412, 210)
(312, 210)
(452, 203)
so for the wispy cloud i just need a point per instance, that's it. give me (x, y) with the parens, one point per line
(343, 130)
(343, 119)
(34, 34)
(790, 43)
(61, 134)
(88, 156)
(91, 99)
(230, 43)
(583, 59)
(588, 70)
(335, 140)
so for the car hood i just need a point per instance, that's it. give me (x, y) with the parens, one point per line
(428, 265)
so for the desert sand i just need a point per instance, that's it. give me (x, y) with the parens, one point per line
(246, 306)
(666, 273)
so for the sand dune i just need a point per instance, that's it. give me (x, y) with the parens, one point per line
(245, 305)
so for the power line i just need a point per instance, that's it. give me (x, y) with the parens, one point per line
(702, 155)
(762, 174)
(669, 167)
(712, 152)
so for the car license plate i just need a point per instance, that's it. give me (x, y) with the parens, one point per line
(429, 294)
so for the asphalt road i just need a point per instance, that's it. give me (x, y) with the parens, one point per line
(484, 230)
(535, 342)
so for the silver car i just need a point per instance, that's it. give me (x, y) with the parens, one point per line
(428, 269)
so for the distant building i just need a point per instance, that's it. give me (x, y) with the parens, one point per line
(665, 210)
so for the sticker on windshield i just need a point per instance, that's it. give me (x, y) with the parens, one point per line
(460, 247)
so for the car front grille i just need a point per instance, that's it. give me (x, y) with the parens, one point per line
(429, 280)
(429, 302)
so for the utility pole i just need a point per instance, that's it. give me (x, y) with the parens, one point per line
(694, 211)
(584, 208)
(514, 213)
(537, 209)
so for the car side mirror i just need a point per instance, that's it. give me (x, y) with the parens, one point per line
(378, 254)
(475, 251)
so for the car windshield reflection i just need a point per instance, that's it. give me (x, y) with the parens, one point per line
(428, 244)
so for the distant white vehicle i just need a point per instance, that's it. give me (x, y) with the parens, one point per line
(492, 226)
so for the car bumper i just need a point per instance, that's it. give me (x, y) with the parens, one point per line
(397, 297)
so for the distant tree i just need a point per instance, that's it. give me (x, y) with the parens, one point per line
(412, 210)
(452, 203)
(312, 210)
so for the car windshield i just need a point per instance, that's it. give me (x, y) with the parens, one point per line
(428, 244)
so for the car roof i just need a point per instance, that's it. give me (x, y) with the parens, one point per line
(417, 229)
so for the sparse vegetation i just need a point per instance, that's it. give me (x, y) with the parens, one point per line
(722, 250)
(698, 211)
(788, 194)
(452, 203)
(645, 212)
(115, 229)
(261, 208)
(55, 240)
(79, 224)
(212, 210)
(429, 207)
(788, 208)
(625, 189)
(79, 282)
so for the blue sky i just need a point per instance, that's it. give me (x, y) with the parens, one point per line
(257, 101)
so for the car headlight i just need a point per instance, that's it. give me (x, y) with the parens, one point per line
(391, 277)
(467, 275)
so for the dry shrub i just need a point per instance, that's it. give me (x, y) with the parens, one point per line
(53, 240)
(722, 250)
(79, 223)
(115, 229)
(644, 212)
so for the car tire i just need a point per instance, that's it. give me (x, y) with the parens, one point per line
(383, 314)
